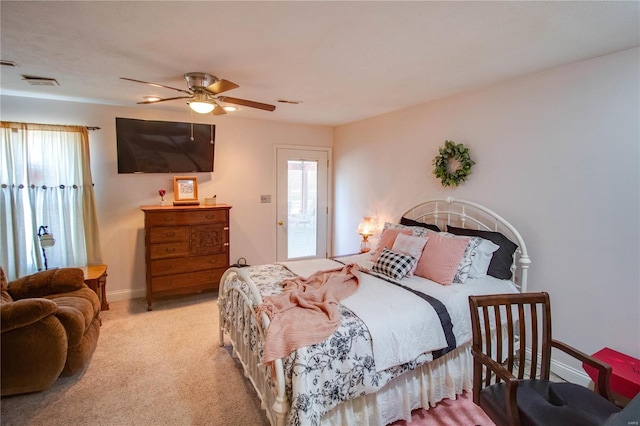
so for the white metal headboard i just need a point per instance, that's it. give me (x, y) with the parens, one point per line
(469, 215)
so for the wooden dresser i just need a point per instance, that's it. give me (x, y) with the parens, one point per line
(187, 248)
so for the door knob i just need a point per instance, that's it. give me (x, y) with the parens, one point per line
(280, 223)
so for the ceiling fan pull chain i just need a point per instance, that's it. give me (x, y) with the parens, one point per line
(192, 125)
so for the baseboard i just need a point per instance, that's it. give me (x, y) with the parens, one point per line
(570, 374)
(113, 296)
(566, 372)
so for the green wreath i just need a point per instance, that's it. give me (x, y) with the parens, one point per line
(452, 151)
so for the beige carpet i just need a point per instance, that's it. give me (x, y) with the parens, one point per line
(163, 367)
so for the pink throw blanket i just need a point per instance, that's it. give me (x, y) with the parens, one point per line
(307, 310)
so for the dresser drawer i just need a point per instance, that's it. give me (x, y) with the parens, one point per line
(167, 250)
(191, 279)
(167, 234)
(186, 218)
(184, 265)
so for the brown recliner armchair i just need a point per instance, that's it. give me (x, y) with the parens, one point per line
(50, 323)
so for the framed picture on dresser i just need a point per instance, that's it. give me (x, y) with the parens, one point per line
(185, 190)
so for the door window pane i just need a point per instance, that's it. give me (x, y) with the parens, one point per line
(302, 196)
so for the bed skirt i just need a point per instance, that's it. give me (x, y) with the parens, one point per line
(423, 387)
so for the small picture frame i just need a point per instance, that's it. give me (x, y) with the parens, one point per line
(185, 190)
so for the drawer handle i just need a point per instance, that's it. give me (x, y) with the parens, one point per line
(169, 234)
(226, 228)
(171, 250)
(226, 244)
(210, 216)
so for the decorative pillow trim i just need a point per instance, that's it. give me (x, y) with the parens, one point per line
(467, 259)
(417, 231)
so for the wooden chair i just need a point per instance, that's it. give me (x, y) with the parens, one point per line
(519, 395)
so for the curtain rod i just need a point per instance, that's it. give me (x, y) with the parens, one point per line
(87, 127)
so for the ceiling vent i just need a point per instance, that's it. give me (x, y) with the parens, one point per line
(40, 81)
(286, 101)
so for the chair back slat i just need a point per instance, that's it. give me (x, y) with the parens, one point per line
(498, 328)
(487, 343)
(523, 340)
(510, 342)
(534, 340)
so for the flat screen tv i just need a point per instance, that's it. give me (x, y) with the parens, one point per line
(146, 146)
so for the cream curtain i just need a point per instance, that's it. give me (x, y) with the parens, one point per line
(45, 180)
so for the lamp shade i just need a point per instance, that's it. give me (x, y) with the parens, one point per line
(366, 227)
(201, 107)
(47, 240)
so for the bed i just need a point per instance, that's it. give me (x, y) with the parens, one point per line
(347, 378)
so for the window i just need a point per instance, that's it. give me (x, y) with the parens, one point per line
(45, 180)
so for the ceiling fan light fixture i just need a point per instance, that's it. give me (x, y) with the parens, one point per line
(201, 107)
(203, 94)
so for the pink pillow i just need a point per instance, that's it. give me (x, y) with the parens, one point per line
(387, 239)
(441, 258)
(411, 245)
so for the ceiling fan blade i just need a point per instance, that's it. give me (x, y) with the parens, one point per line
(218, 110)
(221, 86)
(165, 99)
(244, 102)
(156, 85)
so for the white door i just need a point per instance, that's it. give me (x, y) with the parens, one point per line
(302, 208)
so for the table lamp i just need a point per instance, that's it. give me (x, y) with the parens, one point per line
(46, 240)
(366, 229)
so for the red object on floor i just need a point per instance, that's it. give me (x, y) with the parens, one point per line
(625, 378)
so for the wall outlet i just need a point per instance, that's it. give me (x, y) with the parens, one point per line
(265, 198)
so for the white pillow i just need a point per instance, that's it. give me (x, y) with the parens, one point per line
(481, 257)
(410, 245)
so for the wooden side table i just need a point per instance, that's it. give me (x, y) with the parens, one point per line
(95, 277)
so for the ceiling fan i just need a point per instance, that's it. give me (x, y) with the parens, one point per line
(204, 94)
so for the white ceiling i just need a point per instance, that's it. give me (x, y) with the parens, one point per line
(345, 61)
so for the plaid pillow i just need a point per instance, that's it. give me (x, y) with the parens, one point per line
(393, 264)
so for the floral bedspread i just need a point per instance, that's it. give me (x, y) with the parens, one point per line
(321, 376)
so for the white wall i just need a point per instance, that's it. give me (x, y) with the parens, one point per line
(243, 171)
(557, 155)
